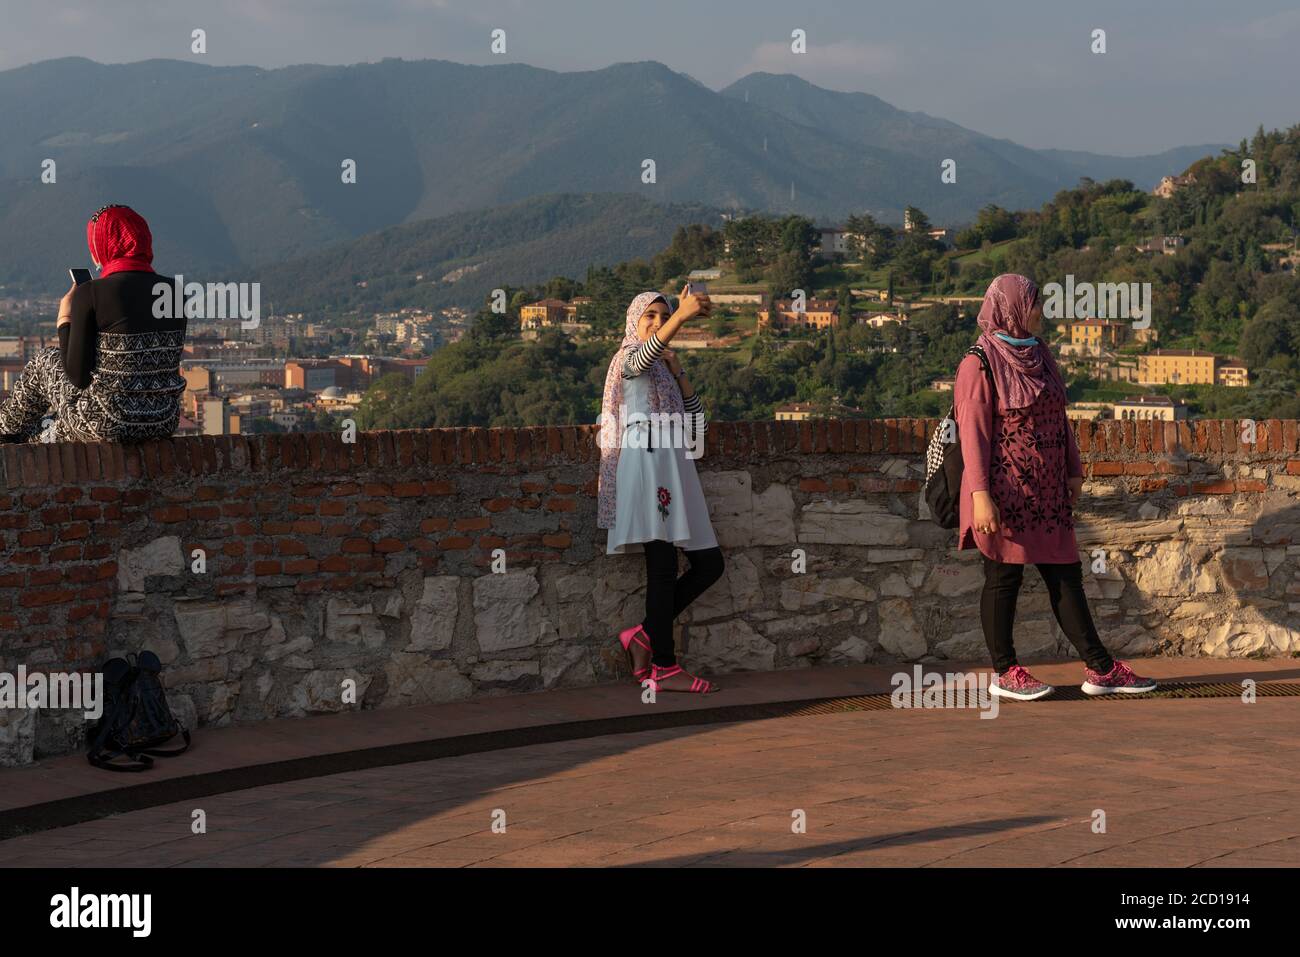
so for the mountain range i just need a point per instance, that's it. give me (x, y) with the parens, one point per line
(460, 258)
(241, 166)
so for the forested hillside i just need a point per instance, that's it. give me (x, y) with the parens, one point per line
(1229, 290)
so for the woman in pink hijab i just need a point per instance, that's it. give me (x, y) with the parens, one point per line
(1021, 477)
(649, 496)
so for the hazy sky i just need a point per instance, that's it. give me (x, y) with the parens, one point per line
(1176, 72)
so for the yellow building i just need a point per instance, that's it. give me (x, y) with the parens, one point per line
(1093, 335)
(1233, 372)
(1177, 367)
(794, 412)
(547, 312)
(816, 314)
(1169, 185)
(1087, 411)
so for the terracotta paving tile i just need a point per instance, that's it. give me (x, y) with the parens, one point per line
(1183, 783)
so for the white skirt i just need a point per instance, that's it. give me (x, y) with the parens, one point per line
(659, 498)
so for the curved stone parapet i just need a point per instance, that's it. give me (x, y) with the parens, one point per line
(285, 575)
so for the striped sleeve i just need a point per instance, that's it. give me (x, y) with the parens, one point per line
(695, 408)
(642, 357)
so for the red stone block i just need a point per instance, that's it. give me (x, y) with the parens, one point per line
(861, 437)
(1144, 429)
(1213, 488)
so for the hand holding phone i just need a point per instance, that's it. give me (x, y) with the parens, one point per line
(695, 301)
(79, 276)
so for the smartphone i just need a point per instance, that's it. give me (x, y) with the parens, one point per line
(80, 276)
(697, 289)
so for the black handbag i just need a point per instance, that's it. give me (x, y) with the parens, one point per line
(943, 464)
(136, 718)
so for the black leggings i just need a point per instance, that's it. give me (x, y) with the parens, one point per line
(666, 595)
(1069, 604)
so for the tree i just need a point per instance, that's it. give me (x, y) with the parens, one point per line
(748, 239)
(1272, 332)
(916, 220)
(859, 235)
(791, 271)
(798, 236)
(488, 325)
(382, 400)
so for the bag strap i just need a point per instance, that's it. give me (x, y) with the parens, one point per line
(978, 352)
(108, 721)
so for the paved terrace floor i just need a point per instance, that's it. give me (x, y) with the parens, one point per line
(1199, 783)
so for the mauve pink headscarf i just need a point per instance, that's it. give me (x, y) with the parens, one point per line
(665, 396)
(1019, 372)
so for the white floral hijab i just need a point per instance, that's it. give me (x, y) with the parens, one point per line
(665, 396)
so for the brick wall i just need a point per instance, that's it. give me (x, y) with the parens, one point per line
(373, 561)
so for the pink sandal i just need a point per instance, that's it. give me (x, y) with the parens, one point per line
(625, 638)
(698, 685)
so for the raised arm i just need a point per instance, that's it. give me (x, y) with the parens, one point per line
(77, 337)
(643, 357)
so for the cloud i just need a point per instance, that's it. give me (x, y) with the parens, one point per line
(841, 60)
(1279, 26)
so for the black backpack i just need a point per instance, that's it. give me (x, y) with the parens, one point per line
(136, 719)
(943, 465)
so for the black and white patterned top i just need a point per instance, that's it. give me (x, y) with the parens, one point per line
(135, 389)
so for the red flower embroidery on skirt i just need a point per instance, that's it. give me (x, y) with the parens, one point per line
(664, 499)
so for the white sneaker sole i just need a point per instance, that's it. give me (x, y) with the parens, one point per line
(1089, 688)
(1018, 696)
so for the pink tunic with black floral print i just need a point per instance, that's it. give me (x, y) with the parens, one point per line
(1023, 458)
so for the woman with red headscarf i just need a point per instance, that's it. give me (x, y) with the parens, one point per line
(1021, 477)
(114, 375)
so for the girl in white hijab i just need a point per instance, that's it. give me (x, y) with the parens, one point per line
(649, 492)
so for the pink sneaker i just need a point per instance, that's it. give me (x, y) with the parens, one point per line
(1119, 680)
(1016, 682)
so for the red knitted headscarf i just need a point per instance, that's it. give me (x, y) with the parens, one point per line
(120, 241)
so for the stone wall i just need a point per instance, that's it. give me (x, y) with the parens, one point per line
(373, 561)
